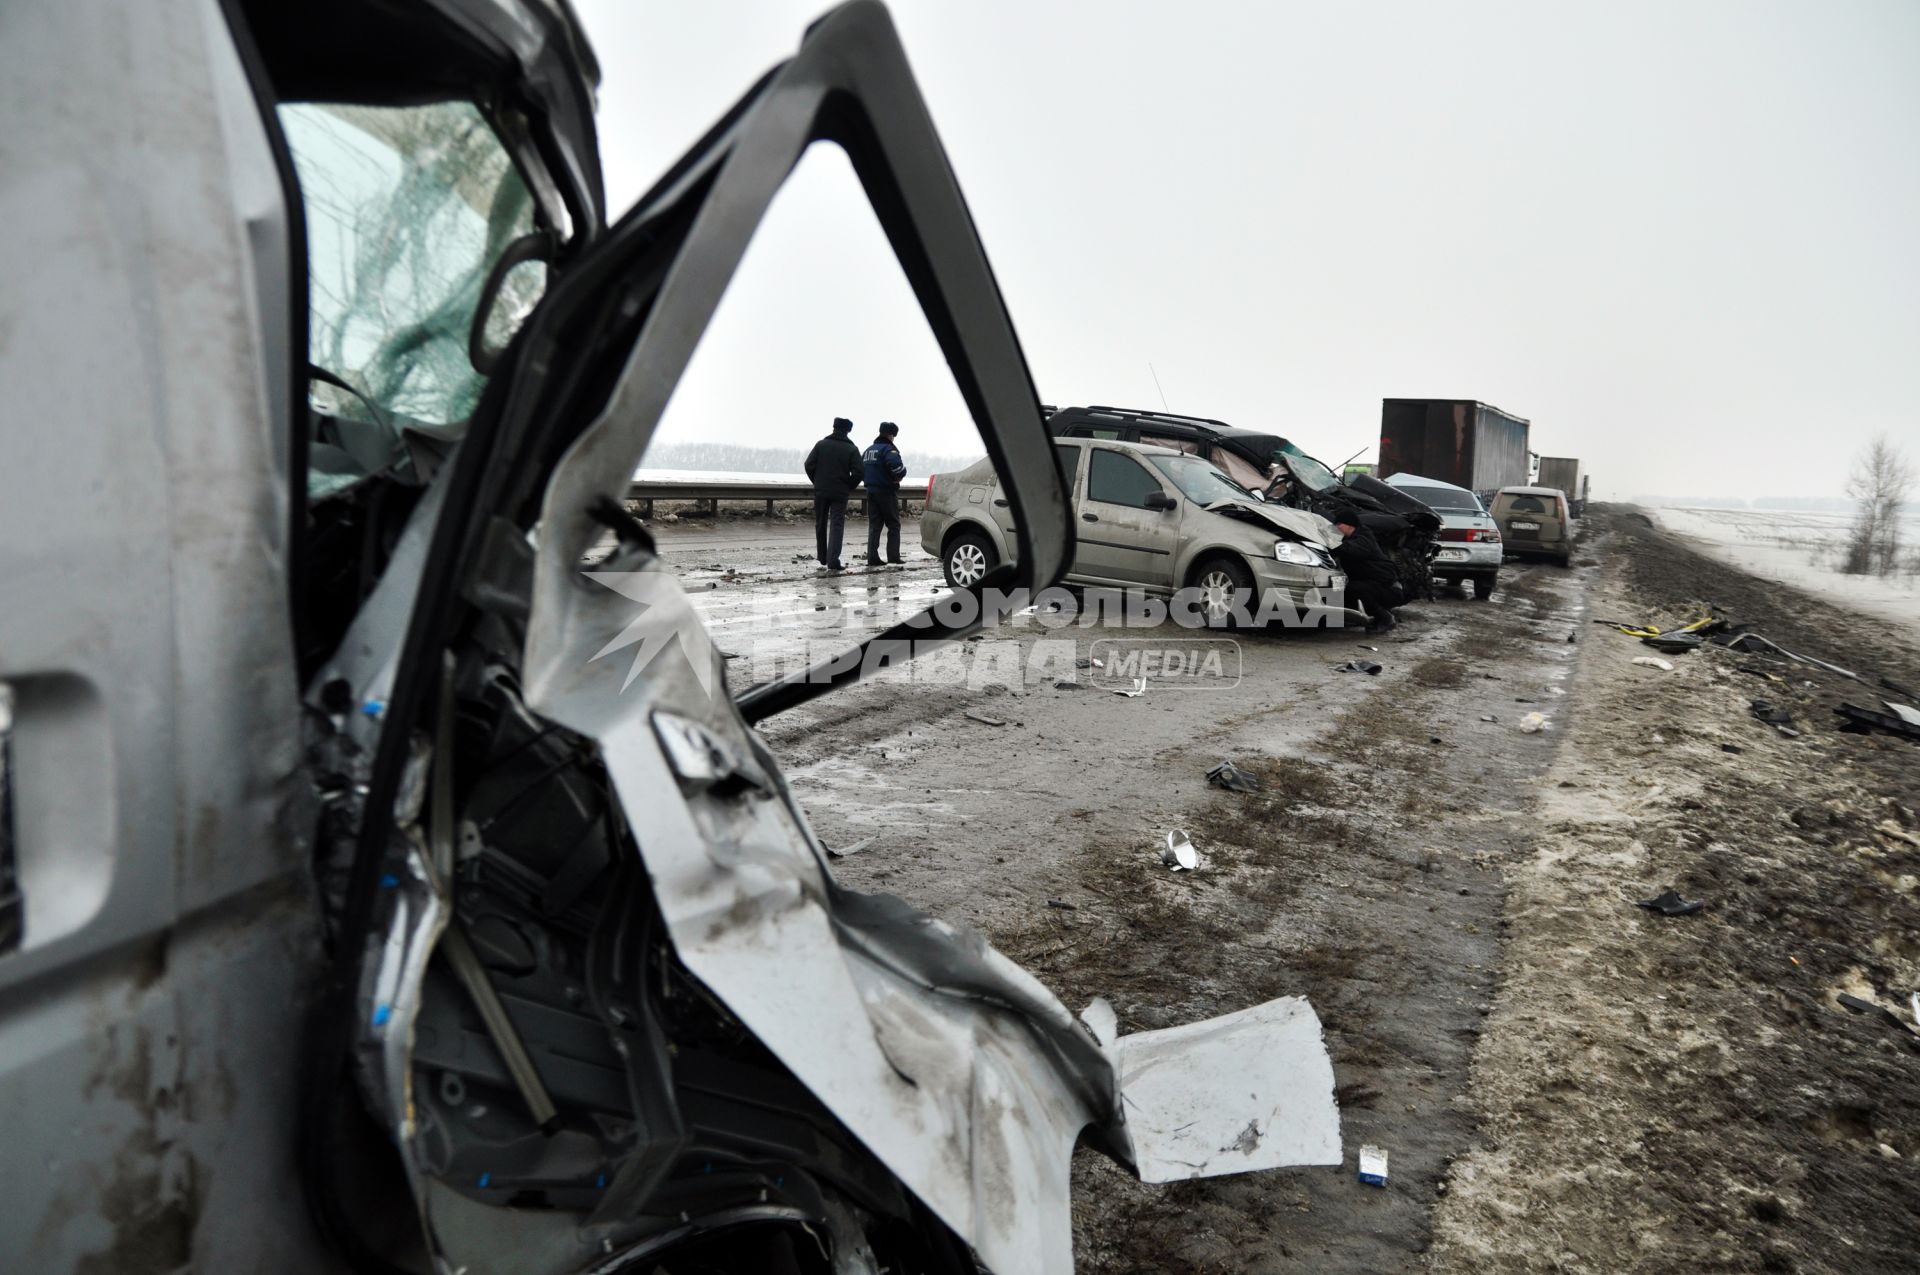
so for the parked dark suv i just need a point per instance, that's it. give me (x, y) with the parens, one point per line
(1247, 455)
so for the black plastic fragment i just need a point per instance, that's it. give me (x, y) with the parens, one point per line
(1229, 776)
(1357, 666)
(1860, 1005)
(1864, 721)
(1669, 903)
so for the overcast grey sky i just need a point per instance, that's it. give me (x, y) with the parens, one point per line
(1682, 238)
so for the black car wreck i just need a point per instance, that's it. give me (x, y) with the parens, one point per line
(368, 922)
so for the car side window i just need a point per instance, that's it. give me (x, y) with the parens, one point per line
(1067, 456)
(1120, 480)
(1109, 434)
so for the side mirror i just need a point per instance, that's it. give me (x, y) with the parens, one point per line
(1160, 500)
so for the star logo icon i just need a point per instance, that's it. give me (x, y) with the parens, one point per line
(666, 619)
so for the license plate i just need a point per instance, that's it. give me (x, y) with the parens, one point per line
(1453, 555)
(1524, 526)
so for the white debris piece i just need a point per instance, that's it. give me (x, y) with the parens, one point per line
(1245, 1091)
(1665, 666)
(1534, 723)
(1101, 1020)
(1373, 1166)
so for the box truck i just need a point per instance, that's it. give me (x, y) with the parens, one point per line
(1460, 441)
(1564, 472)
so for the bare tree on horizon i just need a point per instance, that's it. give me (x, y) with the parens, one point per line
(1880, 483)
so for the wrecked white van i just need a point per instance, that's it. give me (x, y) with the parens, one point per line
(358, 918)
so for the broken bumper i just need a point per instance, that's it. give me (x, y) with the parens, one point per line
(1462, 559)
(959, 1071)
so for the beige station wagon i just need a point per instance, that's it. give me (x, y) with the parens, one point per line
(1534, 520)
(1148, 518)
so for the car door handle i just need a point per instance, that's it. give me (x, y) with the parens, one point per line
(1089, 517)
(999, 504)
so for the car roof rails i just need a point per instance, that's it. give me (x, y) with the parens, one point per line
(1132, 414)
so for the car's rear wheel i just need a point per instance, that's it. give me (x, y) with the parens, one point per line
(1221, 582)
(967, 560)
(1483, 586)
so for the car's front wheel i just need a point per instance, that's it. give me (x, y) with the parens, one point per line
(967, 560)
(1222, 582)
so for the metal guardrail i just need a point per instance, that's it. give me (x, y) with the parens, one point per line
(711, 494)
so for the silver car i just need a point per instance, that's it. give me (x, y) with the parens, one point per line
(1148, 518)
(1470, 549)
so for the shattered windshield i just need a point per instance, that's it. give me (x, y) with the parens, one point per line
(408, 210)
(1311, 473)
(1200, 480)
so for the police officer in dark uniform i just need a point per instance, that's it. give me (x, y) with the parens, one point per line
(833, 467)
(1372, 583)
(884, 470)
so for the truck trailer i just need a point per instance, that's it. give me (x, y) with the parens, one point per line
(1564, 472)
(1460, 441)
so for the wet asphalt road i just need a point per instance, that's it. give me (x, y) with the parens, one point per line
(1365, 877)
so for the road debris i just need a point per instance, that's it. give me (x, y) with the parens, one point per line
(1669, 903)
(1665, 666)
(1721, 632)
(1488, 717)
(1063, 905)
(1861, 1005)
(853, 847)
(1179, 853)
(1773, 715)
(1139, 687)
(1744, 640)
(1373, 1166)
(978, 716)
(1358, 666)
(1704, 625)
(1229, 776)
(1864, 721)
(1534, 723)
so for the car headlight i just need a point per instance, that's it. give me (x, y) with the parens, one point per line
(1295, 552)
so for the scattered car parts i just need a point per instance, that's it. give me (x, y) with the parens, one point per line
(1229, 776)
(1669, 903)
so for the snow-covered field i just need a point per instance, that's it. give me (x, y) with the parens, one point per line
(1802, 549)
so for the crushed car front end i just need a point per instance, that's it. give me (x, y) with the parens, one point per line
(573, 986)
(750, 1045)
